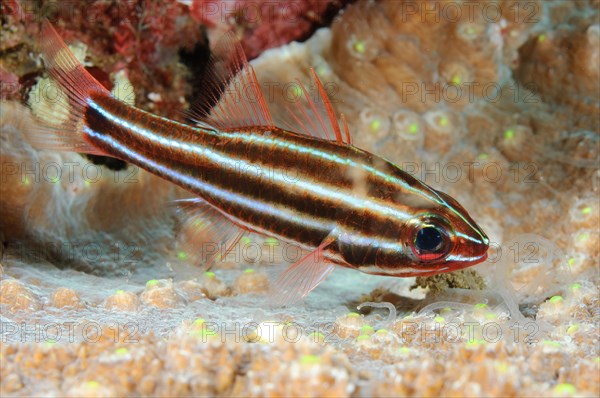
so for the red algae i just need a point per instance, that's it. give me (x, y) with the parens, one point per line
(263, 24)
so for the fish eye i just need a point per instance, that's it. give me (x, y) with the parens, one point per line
(430, 242)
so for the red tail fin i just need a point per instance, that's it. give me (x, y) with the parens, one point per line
(60, 107)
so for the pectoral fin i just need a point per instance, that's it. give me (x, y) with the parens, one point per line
(302, 277)
(207, 235)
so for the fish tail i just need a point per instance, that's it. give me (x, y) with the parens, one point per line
(60, 103)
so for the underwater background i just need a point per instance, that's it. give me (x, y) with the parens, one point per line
(495, 102)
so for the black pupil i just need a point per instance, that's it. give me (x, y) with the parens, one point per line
(429, 239)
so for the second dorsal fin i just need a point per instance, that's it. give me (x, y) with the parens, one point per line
(312, 114)
(230, 94)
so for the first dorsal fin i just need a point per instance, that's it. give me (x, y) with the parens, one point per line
(230, 98)
(230, 95)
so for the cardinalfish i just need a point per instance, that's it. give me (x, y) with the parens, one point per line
(344, 206)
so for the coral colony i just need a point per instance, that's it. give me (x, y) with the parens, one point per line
(105, 284)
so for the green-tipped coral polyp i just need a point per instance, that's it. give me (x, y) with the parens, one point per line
(413, 128)
(310, 359)
(245, 240)
(509, 134)
(151, 283)
(573, 328)
(317, 337)
(359, 46)
(92, 384)
(564, 389)
(121, 351)
(586, 210)
(475, 343)
(551, 343)
(366, 329)
(375, 125)
(556, 299)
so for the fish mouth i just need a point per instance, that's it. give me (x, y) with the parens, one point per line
(458, 264)
(483, 257)
(451, 266)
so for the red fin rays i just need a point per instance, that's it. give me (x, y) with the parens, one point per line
(312, 113)
(63, 113)
(348, 137)
(207, 235)
(231, 89)
(302, 277)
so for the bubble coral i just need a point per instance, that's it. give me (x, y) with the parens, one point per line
(442, 130)
(16, 296)
(191, 290)
(377, 343)
(415, 78)
(349, 325)
(213, 286)
(297, 368)
(65, 297)
(548, 65)
(161, 294)
(408, 126)
(122, 301)
(251, 281)
(376, 122)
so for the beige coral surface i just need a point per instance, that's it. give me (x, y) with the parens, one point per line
(496, 103)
